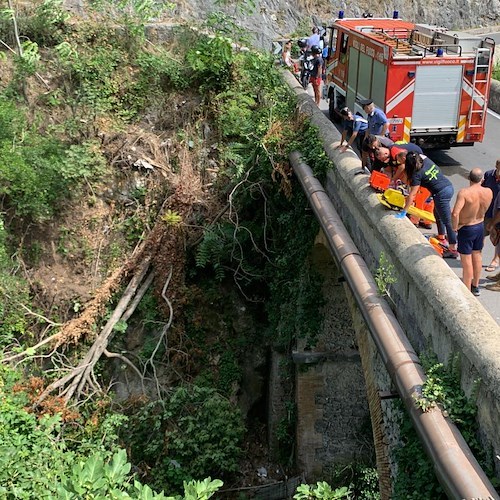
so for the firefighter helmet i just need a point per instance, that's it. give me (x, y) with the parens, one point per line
(316, 49)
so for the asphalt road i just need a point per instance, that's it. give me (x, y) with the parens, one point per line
(456, 164)
(495, 36)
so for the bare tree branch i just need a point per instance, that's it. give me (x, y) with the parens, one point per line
(16, 30)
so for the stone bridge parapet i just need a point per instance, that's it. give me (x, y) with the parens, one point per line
(431, 303)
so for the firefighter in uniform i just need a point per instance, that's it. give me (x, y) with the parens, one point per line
(377, 121)
(354, 129)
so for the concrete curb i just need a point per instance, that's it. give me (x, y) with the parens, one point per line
(431, 303)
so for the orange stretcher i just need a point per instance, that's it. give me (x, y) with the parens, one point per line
(437, 245)
(423, 200)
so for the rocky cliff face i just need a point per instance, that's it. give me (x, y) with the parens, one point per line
(279, 18)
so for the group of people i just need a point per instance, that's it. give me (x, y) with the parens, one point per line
(476, 212)
(461, 230)
(313, 45)
(356, 128)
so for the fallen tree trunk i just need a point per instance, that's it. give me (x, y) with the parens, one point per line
(82, 375)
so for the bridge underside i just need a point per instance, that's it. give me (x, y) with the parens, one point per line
(339, 412)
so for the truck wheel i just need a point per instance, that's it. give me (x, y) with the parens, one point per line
(334, 116)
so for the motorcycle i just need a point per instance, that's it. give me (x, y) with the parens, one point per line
(306, 67)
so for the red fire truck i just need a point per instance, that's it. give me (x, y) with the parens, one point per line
(432, 83)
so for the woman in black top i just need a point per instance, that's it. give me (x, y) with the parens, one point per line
(421, 171)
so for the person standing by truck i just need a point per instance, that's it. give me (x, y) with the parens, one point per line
(378, 124)
(467, 218)
(317, 72)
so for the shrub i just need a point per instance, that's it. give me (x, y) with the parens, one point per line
(45, 25)
(210, 61)
(496, 71)
(38, 172)
(193, 433)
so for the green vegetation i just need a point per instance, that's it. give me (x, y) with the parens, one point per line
(47, 455)
(67, 456)
(415, 478)
(36, 170)
(362, 483)
(496, 72)
(384, 276)
(321, 490)
(193, 433)
(67, 103)
(361, 480)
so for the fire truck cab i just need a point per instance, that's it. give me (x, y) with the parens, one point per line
(432, 83)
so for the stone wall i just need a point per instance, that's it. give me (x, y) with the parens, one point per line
(431, 303)
(382, 414)
(271, 19)
(333, 420)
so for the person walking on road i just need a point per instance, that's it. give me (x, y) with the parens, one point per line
(492, 180)
(378, 124)
(421, 171)
(467, 217)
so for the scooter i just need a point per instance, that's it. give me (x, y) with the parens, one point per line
(306, 66)
(306, 60)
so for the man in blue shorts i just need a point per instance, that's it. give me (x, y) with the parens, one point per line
(467, 217)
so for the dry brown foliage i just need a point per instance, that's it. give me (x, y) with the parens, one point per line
(53, 405)
(84, 325)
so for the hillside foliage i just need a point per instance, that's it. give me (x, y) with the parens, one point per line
(117, 149)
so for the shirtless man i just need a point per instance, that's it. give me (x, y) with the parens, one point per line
(468, 218)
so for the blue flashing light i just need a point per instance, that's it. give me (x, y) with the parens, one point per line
(341, 14)
(395, 14)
